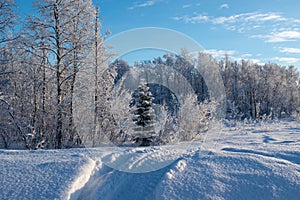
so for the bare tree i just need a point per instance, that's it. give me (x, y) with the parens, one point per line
(67, 28)
(7, 20)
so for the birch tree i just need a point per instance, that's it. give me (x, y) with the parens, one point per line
(67, 28)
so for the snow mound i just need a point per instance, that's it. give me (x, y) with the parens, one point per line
(39, 174)
(84, 175)
(142, 159)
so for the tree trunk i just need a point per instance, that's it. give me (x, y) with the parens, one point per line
(59, 135)
(96, 80)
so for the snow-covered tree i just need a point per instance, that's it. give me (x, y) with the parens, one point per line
(165, 128)
(7, 20)
(105, 122)
(257, 90)
(143, 116)
(194, 118)
(65, 32)
(120, 109)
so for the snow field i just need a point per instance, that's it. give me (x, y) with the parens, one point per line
(249, 162)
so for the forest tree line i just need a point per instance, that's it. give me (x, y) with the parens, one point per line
(252, 90)
(42, 55)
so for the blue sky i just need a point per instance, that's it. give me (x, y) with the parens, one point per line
(261, 30)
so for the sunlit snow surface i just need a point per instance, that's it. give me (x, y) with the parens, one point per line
(243, 162)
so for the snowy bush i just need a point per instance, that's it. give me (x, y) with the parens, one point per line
(296, 114)
(194, 118)
(166, 132)
(121, 111)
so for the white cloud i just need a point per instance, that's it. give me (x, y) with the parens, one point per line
(245, 22)
(246, 55)
(289, 50)
(285, 35)
(265, 17)
(142, 5)
(282, 36)
(193, 20)
(222, 20)
(232, 54)
(224, 6)
(253, 60)
(219, 53)
(249, 17)
(258, 61)
(287, 59)
(238, 18)
(186, 5)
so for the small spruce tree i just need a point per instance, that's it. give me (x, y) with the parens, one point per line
(143, 116)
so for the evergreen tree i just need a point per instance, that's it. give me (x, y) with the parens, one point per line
(143, 118)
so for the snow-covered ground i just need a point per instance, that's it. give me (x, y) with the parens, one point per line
(240, 162)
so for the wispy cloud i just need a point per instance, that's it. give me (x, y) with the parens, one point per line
(245, 22)
(265, 17)
(249, 17)
(289, 50)
(282, 36)
(224, 6)
(232, 54)
(288, 60)
(186, 5)
(193, 20)
(219, 53)
(142, 4)
(243, 17)
(246, 55)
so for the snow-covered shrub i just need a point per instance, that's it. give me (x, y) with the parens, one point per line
(194, 118)
(296, 114)
(35, 140)
(165, 129)
(121, 111)
(12, 135)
